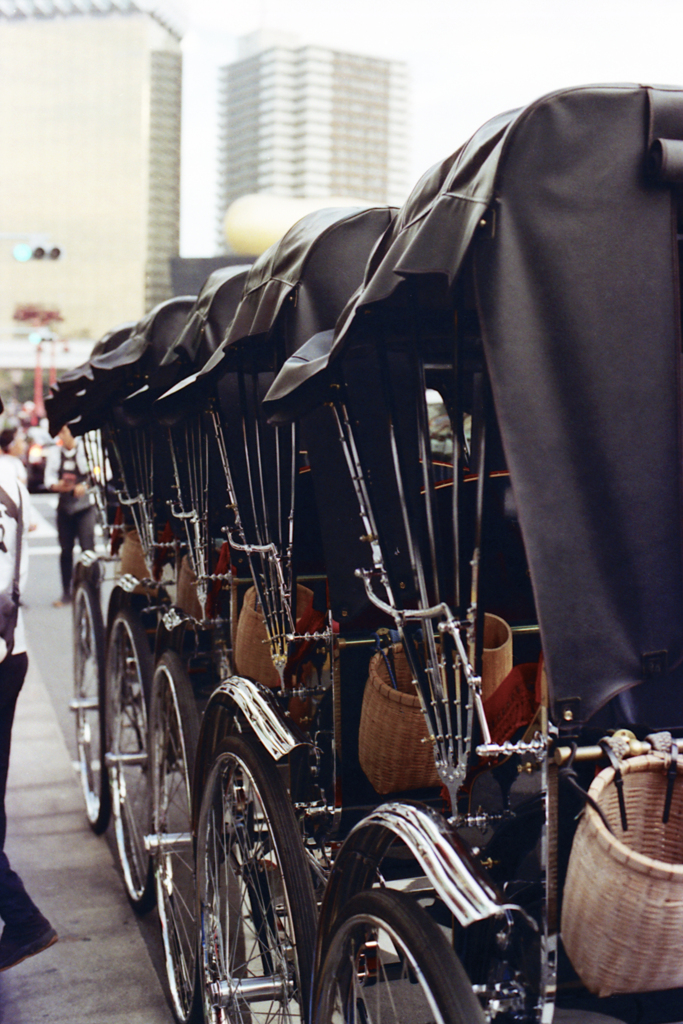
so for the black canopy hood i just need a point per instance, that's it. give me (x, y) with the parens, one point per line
(122, 362)
(566, 213)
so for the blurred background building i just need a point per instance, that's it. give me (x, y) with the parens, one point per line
(90, 98)
(309, 122)
(90, 115)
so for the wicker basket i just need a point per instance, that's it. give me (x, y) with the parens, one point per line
(392, 741)
(187, 597)
(622, 916)
(392, 730)
(252, 651)
(497, 654)
(132, 556)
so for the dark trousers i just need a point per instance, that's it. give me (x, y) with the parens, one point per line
(16, 906)
(81, 525)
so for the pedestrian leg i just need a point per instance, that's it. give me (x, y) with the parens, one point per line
(86, 528)
(17, 909)
(66, 530)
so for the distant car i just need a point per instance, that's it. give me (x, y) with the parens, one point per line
(38, 441)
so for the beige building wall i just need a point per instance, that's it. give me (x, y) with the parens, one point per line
(90, 128)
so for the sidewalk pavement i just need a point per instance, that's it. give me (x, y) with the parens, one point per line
(100, 971)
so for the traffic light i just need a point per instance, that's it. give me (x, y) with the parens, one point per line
(23, 252)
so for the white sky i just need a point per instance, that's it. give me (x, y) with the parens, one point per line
(468, 60)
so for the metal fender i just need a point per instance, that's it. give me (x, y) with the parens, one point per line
(88, 569)
(253, 703)
(457, 878)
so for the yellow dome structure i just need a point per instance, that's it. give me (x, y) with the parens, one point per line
(253, 222)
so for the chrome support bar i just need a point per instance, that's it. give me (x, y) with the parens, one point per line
(168, 842)
(84, 704)
(537, 746)
(112, 760)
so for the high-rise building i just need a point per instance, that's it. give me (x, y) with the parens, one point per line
(304, 121)
(90, 97)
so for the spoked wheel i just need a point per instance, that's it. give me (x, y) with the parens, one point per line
(174, 732)
(128, 683)
(88, 704)
(388, 961)
(255, 895)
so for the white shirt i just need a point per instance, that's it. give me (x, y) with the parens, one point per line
(16, 491)
(17, 465)
(53, 462)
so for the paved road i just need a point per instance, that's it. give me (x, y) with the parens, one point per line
(107, 966)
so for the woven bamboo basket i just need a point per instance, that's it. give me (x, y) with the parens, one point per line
(252, 650)
(497, 654)
(187, 598)
(392, 740)
(622, 915)
(132, 556)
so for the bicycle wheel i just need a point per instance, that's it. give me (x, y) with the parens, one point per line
(174, 732)
(388, 961)
(128, 682)
(255, 896)
(88, 704)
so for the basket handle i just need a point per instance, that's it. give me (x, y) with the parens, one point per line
(671, 774)
(387, 662)
(567, 774)
(618, 781)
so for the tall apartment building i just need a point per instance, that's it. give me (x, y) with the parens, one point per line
(90, 97)
(304, 121)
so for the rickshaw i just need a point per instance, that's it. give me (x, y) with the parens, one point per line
(167, 636)
(507, 391)
(193, 639)
(258, 517)
(88, 622)
(115, 609)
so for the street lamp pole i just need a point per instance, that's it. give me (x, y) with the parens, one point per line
(38, 403)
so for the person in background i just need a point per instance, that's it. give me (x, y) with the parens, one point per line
(26, 930)
(12, 448)
(66, 473)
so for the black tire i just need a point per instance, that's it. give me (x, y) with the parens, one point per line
(174, 733)
(88, 704)
(128, 685)
(387, 960)
(256, 908)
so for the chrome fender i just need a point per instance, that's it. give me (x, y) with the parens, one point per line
(89, 570)
(445, 860)
(253, 703)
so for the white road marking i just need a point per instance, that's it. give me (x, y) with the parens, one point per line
(54, 549)
(43, 529)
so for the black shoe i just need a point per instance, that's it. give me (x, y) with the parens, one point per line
(19, 944)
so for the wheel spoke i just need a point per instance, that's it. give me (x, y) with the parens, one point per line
(88, 640)
(387, 962)
(249, 906)
(128, 681)
(173, 739)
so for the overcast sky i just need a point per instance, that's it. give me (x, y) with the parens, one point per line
(468, 60)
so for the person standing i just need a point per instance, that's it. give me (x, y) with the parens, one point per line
(66, 473)
(26, 930)
(12, 450)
